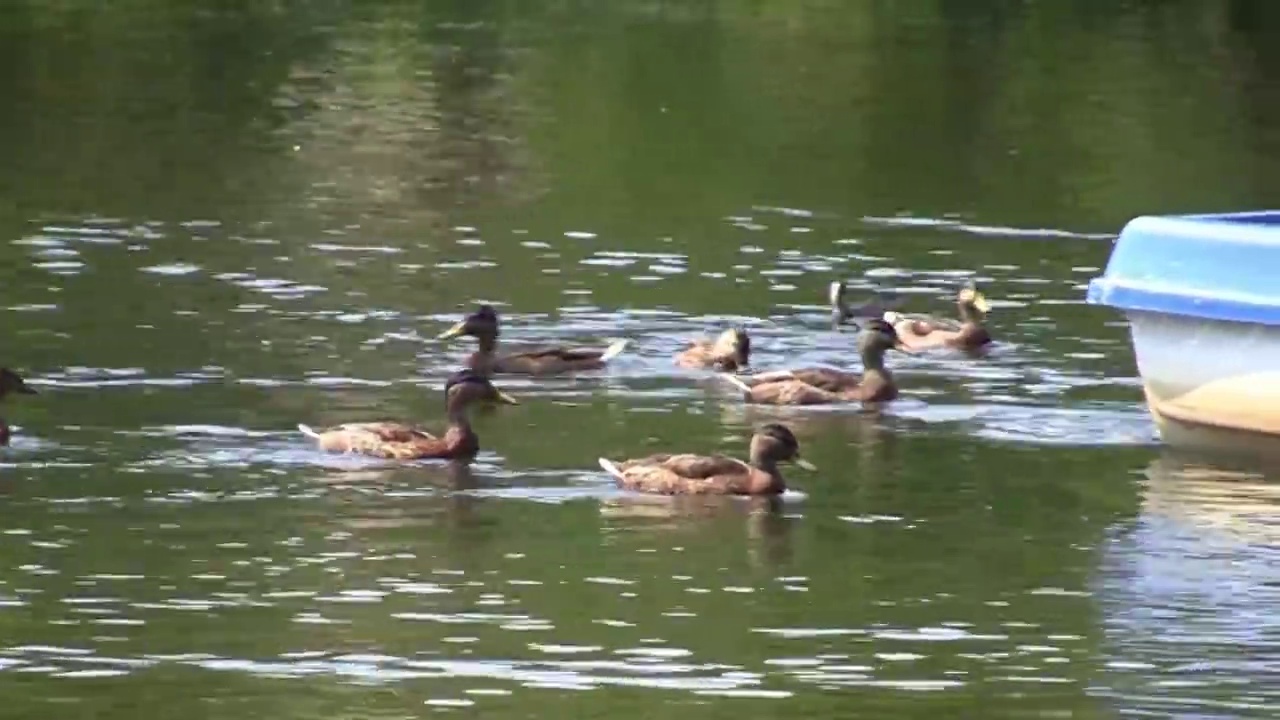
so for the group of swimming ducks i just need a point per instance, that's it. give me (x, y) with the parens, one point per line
(880, 331)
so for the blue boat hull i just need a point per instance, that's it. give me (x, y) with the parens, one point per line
(1202, 296)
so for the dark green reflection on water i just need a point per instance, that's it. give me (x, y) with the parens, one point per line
(221, 221)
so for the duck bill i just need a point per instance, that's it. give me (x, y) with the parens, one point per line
(455, 331)
(506, 399)
(981, 304)
(903, 349)
(801, 462)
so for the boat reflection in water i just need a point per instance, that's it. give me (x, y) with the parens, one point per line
(1188, 591)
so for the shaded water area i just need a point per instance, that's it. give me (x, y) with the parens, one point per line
(218, 220)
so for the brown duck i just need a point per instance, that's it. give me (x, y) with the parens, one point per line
(819, 385)
(483, 326)
(729, 352)
(401, 441)
(922, 332)
(11, 382)
(689, 474)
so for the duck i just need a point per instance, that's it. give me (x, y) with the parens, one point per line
(393, 440)
(842, 313)
(730, 351)
(692, 474)
(11, 382)
(483, 326)
(923, 332)
(819, 385)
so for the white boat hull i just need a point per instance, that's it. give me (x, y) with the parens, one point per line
(1210, 383)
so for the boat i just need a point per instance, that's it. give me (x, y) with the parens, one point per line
(1202, 297)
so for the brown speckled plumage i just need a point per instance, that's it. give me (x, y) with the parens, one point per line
(728, 352)
(690, 474)
(398, 441)
(402, 441)
(821, 386)
(923, 332)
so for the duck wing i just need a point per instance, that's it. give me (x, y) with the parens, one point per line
(922, 324)
(557, 353)
(385, 431)
(684, 474)
(827, 379)
(700, 353)
(791, 392)
(390, 440)
(701, 467)
(564, 356)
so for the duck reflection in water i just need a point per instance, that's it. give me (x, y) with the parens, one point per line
(406, 496)
(767, 520)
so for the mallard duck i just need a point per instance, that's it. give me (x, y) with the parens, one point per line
(730, 351)
(483, 326)
(689, 474)
(11, 382)
(842, 312)
(402, 441)
(921, 332)
(819, 385)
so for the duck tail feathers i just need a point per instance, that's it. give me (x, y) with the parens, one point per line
(609, 467)
(738, 383)
(614, 350)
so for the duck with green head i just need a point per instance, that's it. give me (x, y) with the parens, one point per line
(483, 326)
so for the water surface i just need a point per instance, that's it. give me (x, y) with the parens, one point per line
(220, 222)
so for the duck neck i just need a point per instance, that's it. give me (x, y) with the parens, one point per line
(457, 416)
(873, 363)
(968, 314)
(835, 297)
(730, 362)
(488, 343)
(769, 466)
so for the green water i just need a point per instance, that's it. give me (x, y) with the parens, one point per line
(219, 220)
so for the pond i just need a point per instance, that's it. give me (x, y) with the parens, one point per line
(219, 220)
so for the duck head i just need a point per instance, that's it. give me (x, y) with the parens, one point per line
(774, 443)
(483, 323)
(972, 304)
(733, 347)
(466, 387)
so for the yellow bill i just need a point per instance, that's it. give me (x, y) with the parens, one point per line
(980, 302)
(806, 464)
(505, 398)
(454, 331)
